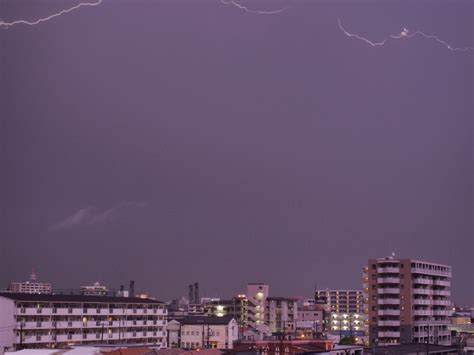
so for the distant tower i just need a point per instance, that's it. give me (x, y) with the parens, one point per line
(33, 277)
(191, 294)
(132, 288)
(196, 293)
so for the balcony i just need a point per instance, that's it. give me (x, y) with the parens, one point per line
(389, 334)
(388, 270)
(417, 301)
(388, 280)
(68, 325)
(442, 303)
(442, 313)
(422, 291)
(388, 291)
(444, 283)
(422, 281)
(34, 311)
(422, 271)
(137, 311)
(417, 312)
(383, 301)
(388, 323)
(67, 311)
(388, 312)
(441, 293)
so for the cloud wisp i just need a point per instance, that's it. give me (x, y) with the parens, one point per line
(92, 216)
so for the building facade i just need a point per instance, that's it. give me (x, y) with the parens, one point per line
(58, 321)
(257, 294)
(281, 314)
(344, 311)
(95, 290)
(30, 286)
(203, 332)
(407, 301)
(237, 307)
(310, 320)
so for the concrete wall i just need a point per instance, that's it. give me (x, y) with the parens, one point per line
(7, 324)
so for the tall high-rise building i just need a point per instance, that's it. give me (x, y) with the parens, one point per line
(407, 301)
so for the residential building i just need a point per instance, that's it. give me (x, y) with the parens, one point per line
(257, 294)
(95, 290)
(281, 313)
(203, 332)
(310, 320)
(30, 286)
(57, 321)
(407, 301)
(237, 307)
(344, 311)
(341, 301)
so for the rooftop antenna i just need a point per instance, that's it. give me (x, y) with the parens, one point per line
(392, 254)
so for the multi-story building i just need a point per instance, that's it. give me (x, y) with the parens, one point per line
(341, 301)
(281, 313)
(344, 314)
(203, 332)
(237, 307)
(30, 286)
(57, 321)
(95, 290)
(407, 301)
(310, 320)
(257, 294)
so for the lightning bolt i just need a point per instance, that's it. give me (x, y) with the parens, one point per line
(48, 18)
(403, 34)
(246, 9)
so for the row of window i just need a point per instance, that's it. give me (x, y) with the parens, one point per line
(197, 332)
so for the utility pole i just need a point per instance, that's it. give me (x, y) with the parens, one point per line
(22, 324)
(102, 332)
(428, 340)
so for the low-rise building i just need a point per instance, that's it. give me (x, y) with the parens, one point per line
(58, 321)
(95, 290)
(203, 332)
(310, 320)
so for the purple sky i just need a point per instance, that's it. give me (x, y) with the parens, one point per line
(178, 141)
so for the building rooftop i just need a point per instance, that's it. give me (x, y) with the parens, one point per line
(412, 349)
(205, 320)
(34, 297)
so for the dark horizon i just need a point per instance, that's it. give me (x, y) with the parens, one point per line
(169, 142)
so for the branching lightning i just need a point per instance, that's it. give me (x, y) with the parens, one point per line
(50, 17)
(246, 9)
(405, 33)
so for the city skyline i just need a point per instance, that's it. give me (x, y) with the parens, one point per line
(173, 142)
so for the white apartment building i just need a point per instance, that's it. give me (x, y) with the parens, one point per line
(94, 290)
(203, 332)
(407, 301)
(57, 321)
(281, 314)
(257, 294)
(30, 286)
